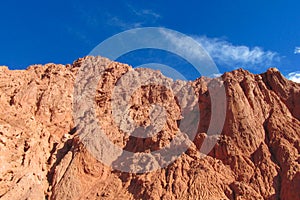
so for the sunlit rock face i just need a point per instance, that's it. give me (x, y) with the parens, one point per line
(44, 156)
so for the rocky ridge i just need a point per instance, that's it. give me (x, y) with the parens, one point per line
(42, 156)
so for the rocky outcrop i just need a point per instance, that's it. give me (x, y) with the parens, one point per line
(43, 156)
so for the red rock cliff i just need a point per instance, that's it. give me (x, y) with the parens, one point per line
(42, 157)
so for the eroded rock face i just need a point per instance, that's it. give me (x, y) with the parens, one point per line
(43, 157)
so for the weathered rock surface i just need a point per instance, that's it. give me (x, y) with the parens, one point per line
(42, 156)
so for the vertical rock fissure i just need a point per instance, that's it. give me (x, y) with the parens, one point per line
(273, 156)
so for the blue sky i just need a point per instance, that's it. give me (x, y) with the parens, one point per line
(253, 34)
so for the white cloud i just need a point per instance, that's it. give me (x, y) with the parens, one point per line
(184, 44)
(151, 13)
(294, 76)
(143, 12)
(116, 21)
(225, 53)
(135, 18)
(139, 18)
(132, 17)
(216, 75)
(297, 50)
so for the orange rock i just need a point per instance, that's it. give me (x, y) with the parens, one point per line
(42, 156)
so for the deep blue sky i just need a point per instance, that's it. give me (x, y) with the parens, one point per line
(34, 32)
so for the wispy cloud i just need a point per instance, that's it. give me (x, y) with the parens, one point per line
(143, 12)
(151, 13)
(294, 76)
(297, 50)
(135, 18)
(124, 25)
(216, 75)
(225, 53)
(130, 17)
